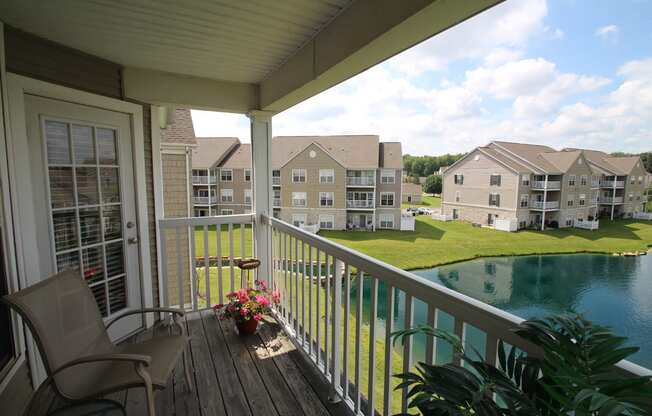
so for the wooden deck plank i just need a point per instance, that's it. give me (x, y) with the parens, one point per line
(206, 383)
(165, 398)
(258, 398)
(229, 384)
(186, 401)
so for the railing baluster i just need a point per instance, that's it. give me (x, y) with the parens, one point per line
(318, 311)
(310, 287)
(358, 342)
(207, 275)
(371, 393)
(389, 328)
(290, 295)
(337, 322)
(430, 341)
(491, 349)
(459, 331)
(303, 295)
(407, 346)
(181, 297)
(193, 267)
(296, 287)
(231, 266)
(218, 249)
(327, 305)
(164, 272)
(347, 311)
(243, 277)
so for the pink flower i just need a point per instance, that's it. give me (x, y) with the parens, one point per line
(231, 308)
(262, 300)
(276, 296)
(243, 296)
(218, 306)
(258, 317)
(244, 311)
(261, 284)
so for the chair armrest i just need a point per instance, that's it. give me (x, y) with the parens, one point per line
(173, 311)
(134, 358)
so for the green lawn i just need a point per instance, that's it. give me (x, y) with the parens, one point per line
(426, 201)
(435, 242)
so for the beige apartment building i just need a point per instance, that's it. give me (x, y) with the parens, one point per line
(538, 186)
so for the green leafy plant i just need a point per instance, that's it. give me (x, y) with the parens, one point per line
(574, 375)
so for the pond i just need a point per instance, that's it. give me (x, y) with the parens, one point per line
(609, 290)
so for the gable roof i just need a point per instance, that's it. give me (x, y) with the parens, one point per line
(210, 151)
(351, 151)
(562, 160)
(510, 163)
(181, 130)
(625, 163)
(530, 154)
(238, 158)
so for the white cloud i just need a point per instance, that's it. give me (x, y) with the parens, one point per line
(212, 124)
(605, 32)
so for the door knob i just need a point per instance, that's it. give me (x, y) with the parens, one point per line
(133, 240)
(130, 224)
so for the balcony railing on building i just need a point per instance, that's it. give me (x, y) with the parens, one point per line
(586, 224)
(610, 184)
(276, 180)
(276, 202)
(595, 184)
(360, 203)
(551, 185)
(544, 205)
(360, 180)
(204, 200)
(331, 302)
(204, 180)
(611, 200)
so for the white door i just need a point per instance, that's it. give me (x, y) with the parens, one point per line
(82, 168)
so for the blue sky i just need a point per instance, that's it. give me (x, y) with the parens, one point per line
(559, 72)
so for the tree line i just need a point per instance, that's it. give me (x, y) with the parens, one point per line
(427, 165)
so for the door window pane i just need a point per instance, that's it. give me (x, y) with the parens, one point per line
(68, 261)
(90, 226)
(58, 143)
(114, 259)
(65, 230)
(112, 222)
(84, 146)
(87, 193)
(61, 187)
(99, 291)
(93, 264)
(117, 294)
(110, 179)
(107, 146)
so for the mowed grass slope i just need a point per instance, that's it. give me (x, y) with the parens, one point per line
(426, 201)
(434, 242)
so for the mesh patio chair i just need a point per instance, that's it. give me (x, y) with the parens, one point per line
(80, 360)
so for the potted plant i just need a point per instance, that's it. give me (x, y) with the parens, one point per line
(247, 306)
(574, 375)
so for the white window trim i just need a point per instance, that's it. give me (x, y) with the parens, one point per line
(458, 196)
(299, 218)
(299, 170)
(332, 198)
(245, 175)
(327, 173)
(226, 211)
(226, 170)
(297, 196)
(525, 180)
(385, 175)
(327, 218)
(572, 178)
(247, 193)
(226, 193)
(384, 218)
(524, 198)
(393, 199)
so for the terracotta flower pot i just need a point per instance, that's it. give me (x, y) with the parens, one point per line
(247, 327)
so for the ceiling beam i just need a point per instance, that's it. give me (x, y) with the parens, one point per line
(363, 35)
(167, 89)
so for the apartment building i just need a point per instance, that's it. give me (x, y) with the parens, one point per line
(538, 186)
(206, 157)
(234, 181)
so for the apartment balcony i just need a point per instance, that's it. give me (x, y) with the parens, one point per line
(204, 180)
(360, 203)
(544, 206)
(361, 181)
(276, 202)
(550, 186)
(595, 184)
(276, 180)
(611, 200)
(204, 200)
(612, 184)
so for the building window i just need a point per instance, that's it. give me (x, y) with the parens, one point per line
(325, 199)
(247, 196)
(494, 200)
(522, 225)
(494, 180)
(226, 212)
(632, 180)
(524, 201)
(571, 200)
(571, 180)
(456, 213)
(582, 201)
(583, 180)
(386, 221)
(525, 180)
(387, 199)
(276, 201)
(226, 195)
(631, 197)
(640, 180)
(459, 179)
(247, 175)
(298, 220)
(326, 222)
(569, 221)
(226, 175)
(299, 199)
(458, 196)
(298, 175)
(387, 176)
(276, 177)
(326, 176)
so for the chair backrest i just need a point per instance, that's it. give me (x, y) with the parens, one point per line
(65, 321)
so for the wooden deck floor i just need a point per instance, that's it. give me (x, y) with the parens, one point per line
(258, 375)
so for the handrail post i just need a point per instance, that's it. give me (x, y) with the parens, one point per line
(337, 321)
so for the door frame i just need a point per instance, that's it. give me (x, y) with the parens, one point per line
(24, 230)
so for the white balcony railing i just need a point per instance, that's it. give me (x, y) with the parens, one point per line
(276, 202)
(276, 180)
(329, 293)
(610, 184)
(204, 200)
(359, 203)
(587, 225)
(595, 184)
(360, 180)
(544, 205)
(611, 200)
(552, 185)
(203, 180)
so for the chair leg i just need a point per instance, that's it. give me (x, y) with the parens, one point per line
(149, 390)
(186, 369)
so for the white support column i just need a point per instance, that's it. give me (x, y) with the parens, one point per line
(613, 198)
(261, 151)
(545, 199)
